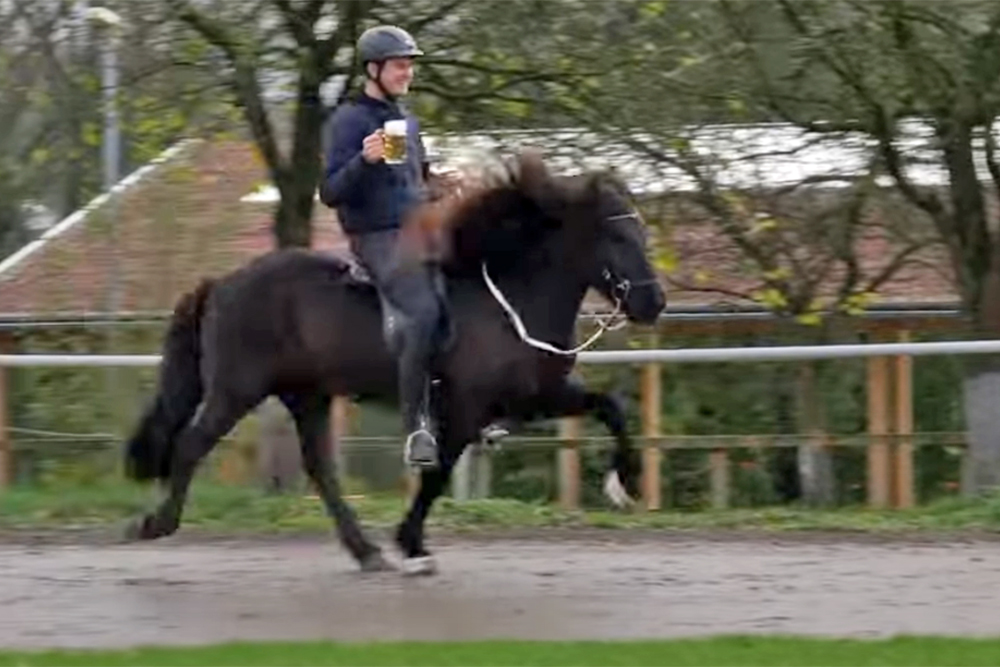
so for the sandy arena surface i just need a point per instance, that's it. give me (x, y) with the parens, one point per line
(187, 591)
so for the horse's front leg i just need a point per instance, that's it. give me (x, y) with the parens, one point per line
(573, 399)
(457, 430)
(410, 534)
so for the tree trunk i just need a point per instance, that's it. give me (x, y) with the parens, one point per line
(297, 184)
(293, 217)
(784, 461)
(279, 462)
(982, 418)
(982, 395)
(979, 269)
(814, 460)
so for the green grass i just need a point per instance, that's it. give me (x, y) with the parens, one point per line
(229, 509)
(711, 651)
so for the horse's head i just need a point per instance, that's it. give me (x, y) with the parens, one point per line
(609, 235)
(622, 270)
(523, 212)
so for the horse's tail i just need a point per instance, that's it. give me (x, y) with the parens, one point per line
(148, 452)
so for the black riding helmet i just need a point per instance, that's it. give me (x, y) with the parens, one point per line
(378, 44)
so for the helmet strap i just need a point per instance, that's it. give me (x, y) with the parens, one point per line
(379, 65)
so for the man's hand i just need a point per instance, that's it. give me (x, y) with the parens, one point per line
(373, 147)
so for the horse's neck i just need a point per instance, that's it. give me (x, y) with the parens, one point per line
(545, 296)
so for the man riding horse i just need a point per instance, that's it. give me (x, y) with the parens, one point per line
(372, 199)
(519, 256)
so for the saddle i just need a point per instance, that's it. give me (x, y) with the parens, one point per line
(350, 267)
(356, 274)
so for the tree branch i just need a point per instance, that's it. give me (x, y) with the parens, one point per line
(351, 14)
(214, 32)
(688, 287)
(312, 11)
(244, 82)
(893, 267)
(991, 154)
(296, 22)
(417, 26)
(502, 71)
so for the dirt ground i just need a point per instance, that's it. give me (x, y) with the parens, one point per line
(88, 593)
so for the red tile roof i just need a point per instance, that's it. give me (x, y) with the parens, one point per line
(186, 220)
(183, 221)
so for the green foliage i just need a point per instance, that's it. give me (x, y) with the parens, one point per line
(225, 509)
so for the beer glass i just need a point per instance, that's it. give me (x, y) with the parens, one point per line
(395, 141)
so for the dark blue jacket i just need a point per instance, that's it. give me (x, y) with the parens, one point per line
(370, 197)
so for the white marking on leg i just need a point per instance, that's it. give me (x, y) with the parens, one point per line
(420, 565)
(615, 490)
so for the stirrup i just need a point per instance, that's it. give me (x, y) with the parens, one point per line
(427, 454)
(492, 434)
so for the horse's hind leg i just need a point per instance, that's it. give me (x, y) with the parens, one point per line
(312, 420)
(215, 417)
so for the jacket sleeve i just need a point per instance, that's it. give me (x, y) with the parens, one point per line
(345, 167)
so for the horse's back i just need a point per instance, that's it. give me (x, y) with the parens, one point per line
(294, 311)
(293, 263)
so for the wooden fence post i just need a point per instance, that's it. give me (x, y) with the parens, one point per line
(651, 455)
(718, 461)
(890, 423)
(904, 490)
(879, 427)
(569, 463)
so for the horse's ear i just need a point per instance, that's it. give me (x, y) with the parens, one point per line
(536, 182)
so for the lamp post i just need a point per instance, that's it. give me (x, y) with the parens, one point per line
(111, 148)
(111, 25)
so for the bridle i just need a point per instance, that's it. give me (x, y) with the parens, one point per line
(619, 290)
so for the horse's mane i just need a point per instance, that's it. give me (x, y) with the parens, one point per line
(497, 218)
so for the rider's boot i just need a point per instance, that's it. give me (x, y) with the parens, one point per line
(421, 449)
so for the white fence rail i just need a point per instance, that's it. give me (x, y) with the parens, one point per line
(883, 474)
(788, 352)
(102, 360)
(675, 356)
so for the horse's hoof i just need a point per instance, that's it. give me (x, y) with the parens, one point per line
(615, 491)
(419, 566)
(375, 562)
(132, 532)
(138, 530)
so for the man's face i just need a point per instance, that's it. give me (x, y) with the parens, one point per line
(397, 74)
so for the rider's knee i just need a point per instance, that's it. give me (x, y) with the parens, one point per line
(421, 328)
(426, 320)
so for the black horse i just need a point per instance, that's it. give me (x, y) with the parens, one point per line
(304, 327)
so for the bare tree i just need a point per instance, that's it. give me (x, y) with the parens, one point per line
(921, 81)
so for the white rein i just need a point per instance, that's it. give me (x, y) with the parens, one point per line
(605, 325)
(522, 331)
